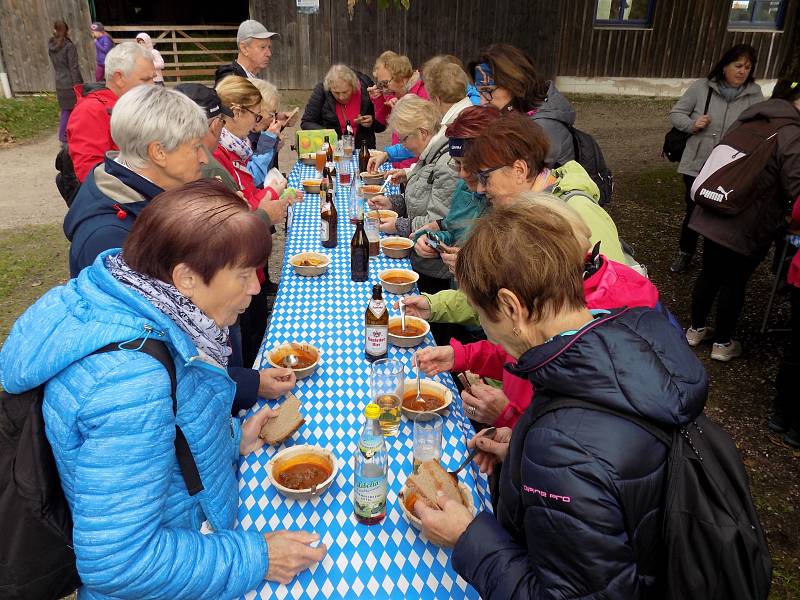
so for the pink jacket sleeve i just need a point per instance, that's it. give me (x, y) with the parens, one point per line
(482, 358)
(381, 110)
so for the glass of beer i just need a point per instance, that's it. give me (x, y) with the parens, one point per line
(386, 387)
(373, 231)
(427, 438)
(348, 143)
(320, 158)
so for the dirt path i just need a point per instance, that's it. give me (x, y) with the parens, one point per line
(28, 193)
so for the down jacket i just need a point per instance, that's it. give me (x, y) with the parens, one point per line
(586, 520)
(110, 423)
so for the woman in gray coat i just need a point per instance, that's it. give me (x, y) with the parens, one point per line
(730, 88)
(64, 57)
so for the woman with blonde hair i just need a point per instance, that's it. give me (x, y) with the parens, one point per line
(429, 185)
(574, 513)
(269, 132)
(341, 102)
(394, 78)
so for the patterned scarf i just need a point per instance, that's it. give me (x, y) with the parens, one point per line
(238, 146)
(206, 335)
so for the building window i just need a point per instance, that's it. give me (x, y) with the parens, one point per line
(757, 14)
(637, 13)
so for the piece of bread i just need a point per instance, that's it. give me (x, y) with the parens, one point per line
(430, 478)
(281, 428)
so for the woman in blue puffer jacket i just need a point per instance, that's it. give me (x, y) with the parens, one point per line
(580, 500)
(187, 270)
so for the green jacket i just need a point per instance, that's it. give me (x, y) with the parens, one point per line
(571, 183)
(465, 207)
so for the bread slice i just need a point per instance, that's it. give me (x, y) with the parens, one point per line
(430, 478)
(281, 428)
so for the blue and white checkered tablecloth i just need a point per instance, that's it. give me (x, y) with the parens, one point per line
(388, 560)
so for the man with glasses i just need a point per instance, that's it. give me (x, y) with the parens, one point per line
(216, 111)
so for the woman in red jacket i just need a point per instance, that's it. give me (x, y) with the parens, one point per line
(786, 418)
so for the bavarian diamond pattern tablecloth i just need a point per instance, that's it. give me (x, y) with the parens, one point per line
(388, 560)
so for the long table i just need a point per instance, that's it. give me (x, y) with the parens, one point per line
(390, 559)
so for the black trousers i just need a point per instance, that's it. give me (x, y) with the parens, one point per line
(688, 239)
(253, 321)
(787, 402)
(723, 277)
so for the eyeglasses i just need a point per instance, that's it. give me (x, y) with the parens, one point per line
(222, 121)
(483, 176)
(454, 164)
(382, 85)
(487, 93)
(257, 116)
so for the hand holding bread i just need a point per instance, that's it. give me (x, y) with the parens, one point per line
(250, 430)
(287, 419)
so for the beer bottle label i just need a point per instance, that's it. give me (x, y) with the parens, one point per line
(324, 231)
(376, 340)
(377, 308)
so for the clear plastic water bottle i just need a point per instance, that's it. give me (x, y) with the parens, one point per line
(370, 469)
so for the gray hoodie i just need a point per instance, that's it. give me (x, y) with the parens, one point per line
(556, 116)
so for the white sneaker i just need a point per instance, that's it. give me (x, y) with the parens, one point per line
(726, 352)
(695, 337)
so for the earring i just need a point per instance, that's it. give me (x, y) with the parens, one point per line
(516, 331)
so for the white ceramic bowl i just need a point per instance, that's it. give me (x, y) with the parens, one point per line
(370, 191)
(398, 288)
(466, 495)
(310, 270)
(373, 178)
(407, 341)
(287, 455)
(278, 353)
(311, 186)
(403, 252)
(430, 387)
(381, 214)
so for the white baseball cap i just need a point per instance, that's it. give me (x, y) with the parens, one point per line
(253, 29)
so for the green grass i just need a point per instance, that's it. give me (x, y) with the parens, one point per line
(33, 259)
(25, 118)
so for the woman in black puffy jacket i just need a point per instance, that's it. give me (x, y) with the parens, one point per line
(580, 497)
(341, 100)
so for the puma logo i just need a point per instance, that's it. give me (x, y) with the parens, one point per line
(722, 191)
(717, 196)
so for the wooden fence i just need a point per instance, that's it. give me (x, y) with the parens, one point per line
(190, 52)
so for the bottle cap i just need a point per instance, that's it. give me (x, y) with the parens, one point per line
(372, 411)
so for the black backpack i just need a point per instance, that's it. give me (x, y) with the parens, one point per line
(37, 561)
(588, 154)
(675, 139)
(66, 180)
(715, 547)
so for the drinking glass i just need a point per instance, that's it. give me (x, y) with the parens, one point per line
(372, 229)
(427, 438)
(386, 387)
(348, 143)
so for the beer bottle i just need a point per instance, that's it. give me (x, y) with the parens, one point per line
(376, 329)
(329, 230)
(359, 253)
(348, 128)
(324, 184)
(328, 150)
(363, 157)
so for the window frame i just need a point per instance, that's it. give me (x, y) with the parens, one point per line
(645, 23)
(776, 25)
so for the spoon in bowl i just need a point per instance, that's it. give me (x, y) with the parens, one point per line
(290, 361)
(402, 315)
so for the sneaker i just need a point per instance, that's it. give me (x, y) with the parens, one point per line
(695, 337)
(792, 438)
(726, 352)
(681, 263)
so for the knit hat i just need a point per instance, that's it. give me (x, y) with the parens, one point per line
(97, 26)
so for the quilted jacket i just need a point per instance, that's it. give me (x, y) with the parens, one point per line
(110, 423)
(585, 520)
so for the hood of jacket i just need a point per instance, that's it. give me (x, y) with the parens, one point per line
(771, 109)
(109, 184)
(571, 178)
(630, 360)
(71, 321)
(615, 285)
(148, 43)
(556, 107)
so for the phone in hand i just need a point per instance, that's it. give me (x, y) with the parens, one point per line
(433, 244)
(290, 117)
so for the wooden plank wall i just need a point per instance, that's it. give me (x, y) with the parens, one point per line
(686, 39)
(311, 43)
(25, 27)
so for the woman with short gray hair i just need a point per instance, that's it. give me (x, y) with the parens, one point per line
(341, 102)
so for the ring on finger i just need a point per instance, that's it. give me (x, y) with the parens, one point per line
(471, 410)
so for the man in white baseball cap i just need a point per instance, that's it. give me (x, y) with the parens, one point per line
(255, 50)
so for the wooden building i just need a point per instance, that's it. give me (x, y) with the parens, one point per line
(624, 46)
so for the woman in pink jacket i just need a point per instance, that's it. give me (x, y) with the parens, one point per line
(786, 418)
(394, 78)
(607, 284)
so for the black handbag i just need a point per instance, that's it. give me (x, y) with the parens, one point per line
(675, 140)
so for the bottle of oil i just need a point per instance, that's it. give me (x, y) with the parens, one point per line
(370, 470)
(376, 330)
(330, 223)
(359, 253)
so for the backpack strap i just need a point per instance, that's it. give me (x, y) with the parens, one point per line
(159, 351)
(437, 155)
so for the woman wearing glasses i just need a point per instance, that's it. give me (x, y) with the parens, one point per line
(506, 78)
(269, 130)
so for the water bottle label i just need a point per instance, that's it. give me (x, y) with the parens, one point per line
(370, 496)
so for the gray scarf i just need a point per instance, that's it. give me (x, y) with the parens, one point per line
(729, 93)
(206, 335)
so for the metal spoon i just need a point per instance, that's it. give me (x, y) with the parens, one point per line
(290, 361)
(487, 433)
(419, 382)
(402, 315)
(385, 183)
